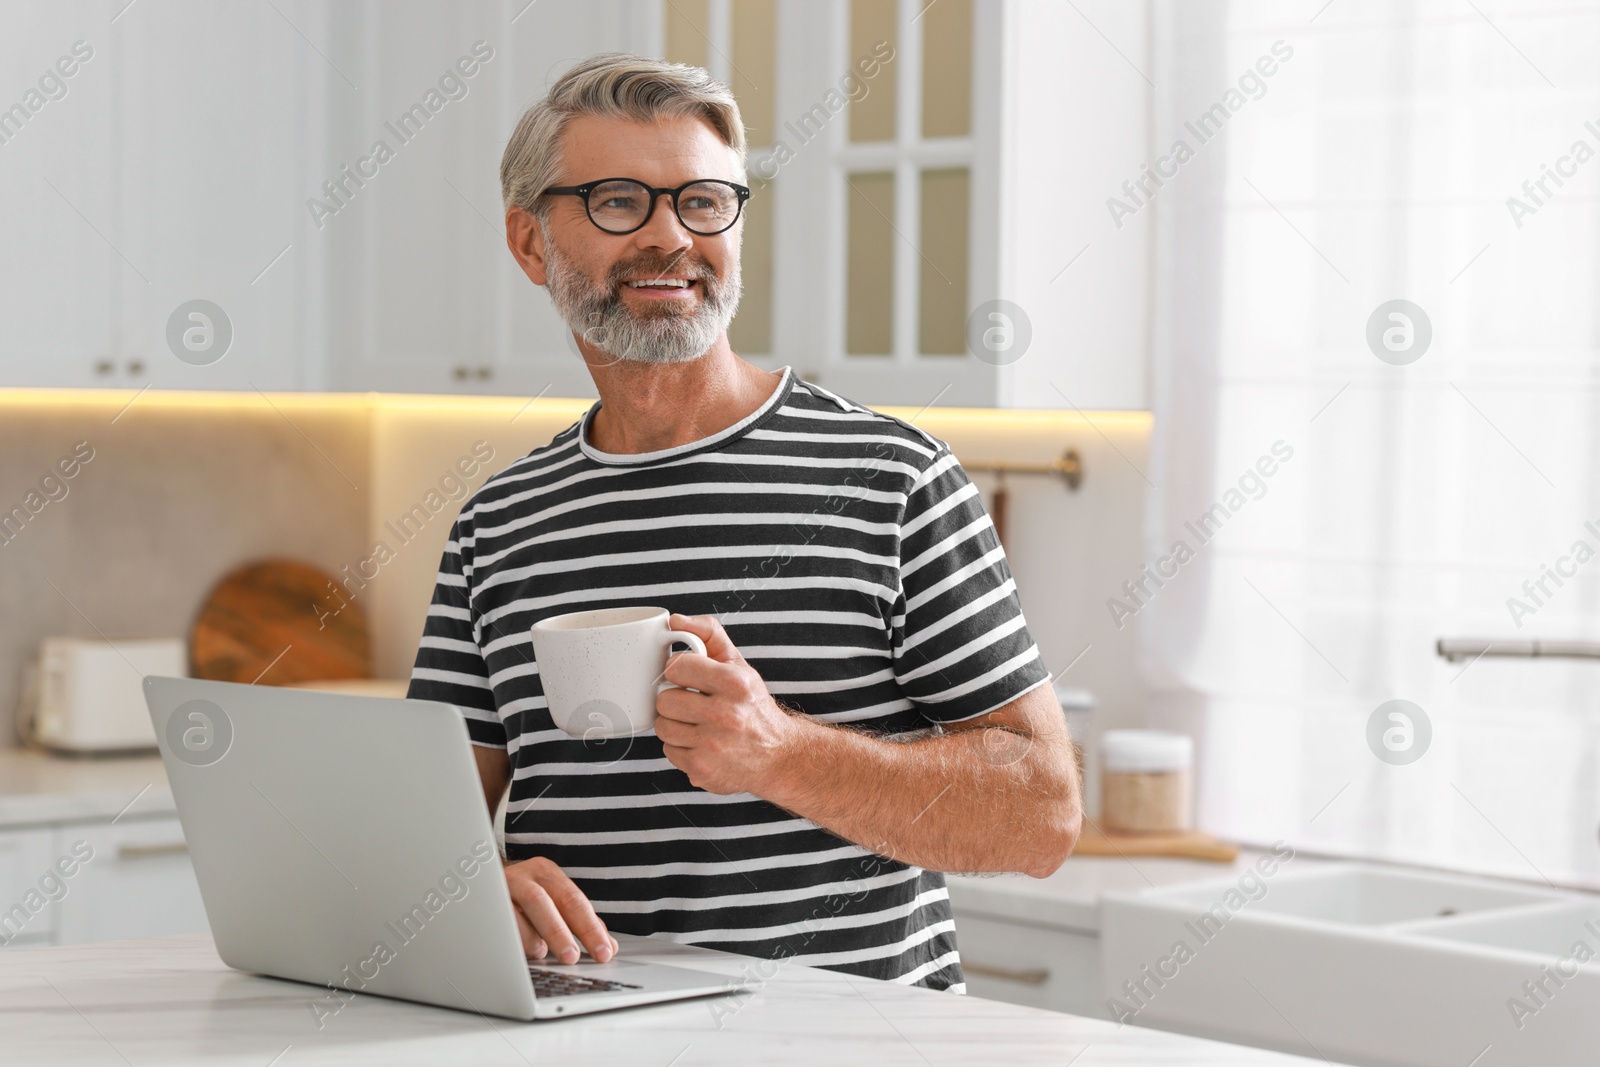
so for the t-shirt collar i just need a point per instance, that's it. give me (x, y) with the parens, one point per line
(716, 440)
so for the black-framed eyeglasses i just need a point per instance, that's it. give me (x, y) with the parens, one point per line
(622, 205)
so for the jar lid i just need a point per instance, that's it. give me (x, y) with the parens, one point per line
(1145, 750)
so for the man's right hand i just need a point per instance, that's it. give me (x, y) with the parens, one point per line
(553, 916)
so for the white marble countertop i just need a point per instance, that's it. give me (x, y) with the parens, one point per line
(1070, 898)
(172, 1001)
(39, 789)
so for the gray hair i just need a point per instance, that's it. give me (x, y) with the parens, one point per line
(610, 85)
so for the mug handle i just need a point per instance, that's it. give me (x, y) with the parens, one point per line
(681, 637)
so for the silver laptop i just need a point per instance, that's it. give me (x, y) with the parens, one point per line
(343, 841)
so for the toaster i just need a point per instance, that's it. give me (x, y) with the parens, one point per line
(84, 696)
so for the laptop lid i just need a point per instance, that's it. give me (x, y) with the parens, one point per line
(342, 840)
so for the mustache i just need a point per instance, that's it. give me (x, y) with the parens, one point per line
(656, 267)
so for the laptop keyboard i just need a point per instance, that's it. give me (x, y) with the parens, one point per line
(562, 984)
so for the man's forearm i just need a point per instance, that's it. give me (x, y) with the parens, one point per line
(994, 798)
(999, 793)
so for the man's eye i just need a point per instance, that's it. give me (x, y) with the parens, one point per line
(699, 203)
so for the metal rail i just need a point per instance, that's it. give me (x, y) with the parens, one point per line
(1455, 649)
(1069, 466)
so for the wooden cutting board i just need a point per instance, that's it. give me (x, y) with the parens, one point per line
(1191, 845)
(279, 621)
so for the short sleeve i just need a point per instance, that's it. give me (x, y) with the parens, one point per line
(961, 646)
(450, 665)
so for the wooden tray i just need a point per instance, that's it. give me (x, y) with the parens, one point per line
(279, 621)
(1190, 845)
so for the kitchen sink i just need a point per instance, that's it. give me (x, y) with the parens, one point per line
(1372, 896)
(1549, 931)
(1362, 965)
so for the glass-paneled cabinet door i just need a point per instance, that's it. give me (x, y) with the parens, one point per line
(917, 242)
(872, 129)
(737, 42)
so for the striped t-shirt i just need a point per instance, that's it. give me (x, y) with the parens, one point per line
(850, 560)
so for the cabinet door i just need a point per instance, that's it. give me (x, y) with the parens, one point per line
(60, 274)
(25, 859)
(168, 167)
(1032, 965)
(138, 883)
(424, 295)
(209, 152)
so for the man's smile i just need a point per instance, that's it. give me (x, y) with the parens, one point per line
(666, 287)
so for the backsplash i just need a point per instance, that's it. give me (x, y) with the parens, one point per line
(174, 496)
(182, 488)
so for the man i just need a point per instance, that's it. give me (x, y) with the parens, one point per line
(871, 708)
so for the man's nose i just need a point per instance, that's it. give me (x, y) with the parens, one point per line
(665, 229)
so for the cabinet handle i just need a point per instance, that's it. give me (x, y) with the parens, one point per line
(1007, 974)
(139, 852)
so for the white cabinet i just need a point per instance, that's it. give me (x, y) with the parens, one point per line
(229, 153)
(163, 169)
(210, 188)
(78, 882)
(139, 882)
(26, 915)
(1037, 966)
(59, 274)
(424, 296)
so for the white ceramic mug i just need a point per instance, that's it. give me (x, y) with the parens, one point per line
(601, 670)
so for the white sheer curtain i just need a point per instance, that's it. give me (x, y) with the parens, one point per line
(1375, 163)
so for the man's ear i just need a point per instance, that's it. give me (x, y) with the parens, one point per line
(525, 238)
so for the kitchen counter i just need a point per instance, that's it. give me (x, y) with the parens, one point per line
(1070, 898)
(172, 1001)
(38, 789)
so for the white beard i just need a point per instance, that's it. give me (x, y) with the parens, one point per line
(598, 315)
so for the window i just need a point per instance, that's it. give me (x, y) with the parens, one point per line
(1379, 161)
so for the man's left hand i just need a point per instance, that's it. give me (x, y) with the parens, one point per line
(730, 736)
